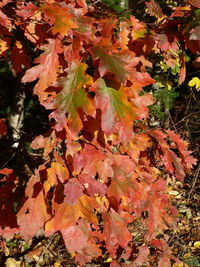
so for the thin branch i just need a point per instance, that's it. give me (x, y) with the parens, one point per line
(186, 117)
(196, 175)
(190, 74)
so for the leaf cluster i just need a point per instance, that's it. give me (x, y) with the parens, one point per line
(103, 167)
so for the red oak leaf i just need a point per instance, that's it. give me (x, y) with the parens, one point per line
(5, 2)
(34, 213)
(172, 162)
(57, 173)
(6, 171)
(119, 63)
(26, 10)
(73, 98)
(195, 3)
(92, 186)
(115, 231)
(141, 103)
(47, 69)
(78, 238)
(5, 21)
(19, 57)
(59, 17)
(188, 160)
(164, 261)
(67, 215)
(73, 190)
(114, 106)
(86, 160)
(75, 238)
(143, 256)
(167, 42)
(154, 9)
(138, 28)
(48, 143)
(182, 73)
(195, 33)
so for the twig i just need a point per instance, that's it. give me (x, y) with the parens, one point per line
(173, 125)
(195, 131)
(50, 241)
(94, 3)
(196, 175)
(192, 73)
(186, 117)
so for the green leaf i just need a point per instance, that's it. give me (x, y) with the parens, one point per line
(117, 63)
(195, 82)
(197, 12)
(117, 5)
(73, 95)
(113, 104)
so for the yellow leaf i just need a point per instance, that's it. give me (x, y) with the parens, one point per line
(3, 46)
(195, 82)
(18, 44)
(103, 201)
(10, 262)
(197, 244)
(109, 260)
(187, 255)
(178, 265)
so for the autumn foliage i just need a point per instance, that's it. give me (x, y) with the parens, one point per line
(104, 169)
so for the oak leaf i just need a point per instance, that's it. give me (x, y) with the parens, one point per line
(4, 46)
(19, 57)
(173, 163)
(154, 9)
(87, 159)
(34, 213)
(58, 171)
(73, 190)
(59, 17)
(167, 42)
(5, 21)
(5, 2)
(67, 215)
(75, 238)
(138, 28)
(195, 3)
(143, 256)
(115, 231)
(188, 160)
(26, 10)
(92, 186)
(114, 106)
(73, 98)
(48, 143)
(195, 33)
(119, 63)
(78, 238)
(47, 69)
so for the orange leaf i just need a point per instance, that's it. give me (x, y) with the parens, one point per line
(115, 231)
(59, 17)
(33, 213)
(47, 69)
(67, 215)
